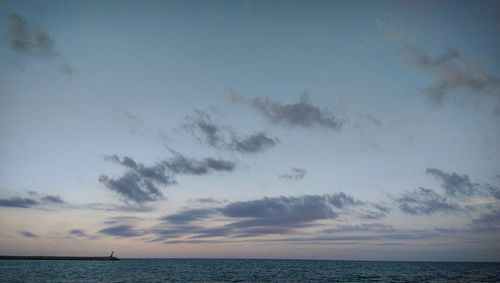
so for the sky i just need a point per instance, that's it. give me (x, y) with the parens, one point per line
(358, 130)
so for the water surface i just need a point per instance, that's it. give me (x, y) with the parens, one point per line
(244, 270)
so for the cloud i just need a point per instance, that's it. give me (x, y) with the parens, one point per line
(224, 138)
(189, 215)
(140, 183)
(296, 174)
(280, 211)
(27, 234)
(208, 201)
(53, 199)
(122, 231)
(123, 220)
(372, 227)
(156, 173)
(34, 200)
(128, 207)
(456, 185)
(132, 187)
(78, 232)
(255, 143)
(162, 234)
(132, 122)
(275, 215)
(18, 202)
(376, 211)
(341, 200)
(490, 219)
(451, 71)
(389, 235)
(24, 38)
(212, 134)
(67, 69)
(425, 201)
(300, 114)
(181, 164)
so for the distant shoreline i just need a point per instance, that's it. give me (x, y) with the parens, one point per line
(100, 258)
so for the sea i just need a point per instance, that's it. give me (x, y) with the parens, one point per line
(244, 270)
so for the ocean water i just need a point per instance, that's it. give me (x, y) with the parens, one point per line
(244, 270)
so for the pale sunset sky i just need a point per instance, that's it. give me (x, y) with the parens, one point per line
(251, 129)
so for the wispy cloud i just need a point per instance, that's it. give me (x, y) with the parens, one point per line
(33, 200)
(181, 164)
(122, 231)
(295, 174)
(425, 201)
(78, 233)
(133, 122)
(457, 185)
(300, 114)
(132, 187)
(276, 215)
(208, 201)
(28, 234)
(189, 215)
(223, 137)
(488, 220)
(26, 39)
(18, 202)
(141, 183)
(452, 72)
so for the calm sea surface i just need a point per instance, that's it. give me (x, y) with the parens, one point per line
(236, 270)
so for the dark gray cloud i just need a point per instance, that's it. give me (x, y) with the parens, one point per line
(18, 202)
(140, 183)
(134, 123)
(254, 218)
(341, 200)
(33, 200)
(456, 185)
(425, 201)
(24, 38)
(295, 174)
(279, 211)
(371, 214)
(122, 220)
(28, 234)
(212, 134)
(181, 164)
(127, 207)
(67, 69)
(132, 187)
(78, 232)
(255, 143)
(371, 227)
(156, 173)
(385, 235)
(382, 208)
(189, 215)
(489, 220)
(53, 199)
(162, 233)
(209, 201)
(376, 211)
(451, 71)
(276, 215)
(224, 138)
(363, 235)
(122, 231)
(301, 114)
